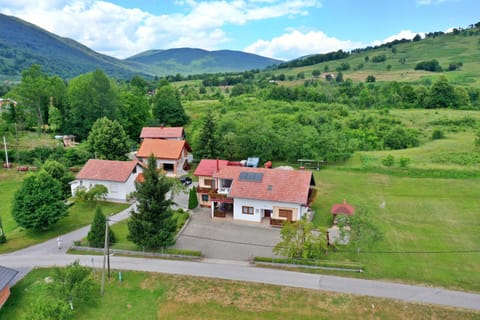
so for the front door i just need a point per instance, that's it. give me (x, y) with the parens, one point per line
(267, 213)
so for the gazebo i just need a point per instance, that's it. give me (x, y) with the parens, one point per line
(342, 209)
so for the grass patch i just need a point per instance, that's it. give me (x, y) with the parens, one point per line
(122, 243)
(79, 215)
(428, 225)
(156, 296)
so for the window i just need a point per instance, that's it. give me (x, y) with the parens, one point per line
(204, 197)
(247, 210)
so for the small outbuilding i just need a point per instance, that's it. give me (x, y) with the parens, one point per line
(6, 277)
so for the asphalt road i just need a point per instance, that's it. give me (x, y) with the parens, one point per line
(47, 254)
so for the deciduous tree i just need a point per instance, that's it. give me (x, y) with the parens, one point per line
(108, 140)
(301, 241)
(167, 107)
(39, 202)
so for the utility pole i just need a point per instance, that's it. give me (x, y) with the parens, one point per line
(6, 152)
(105, 255)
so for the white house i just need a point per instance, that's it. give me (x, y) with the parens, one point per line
(253, 194)
(171, 155)
(118, 176)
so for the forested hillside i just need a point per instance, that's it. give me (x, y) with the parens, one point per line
(23, 44)
(188, 61)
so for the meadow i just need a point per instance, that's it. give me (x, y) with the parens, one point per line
(157, 296)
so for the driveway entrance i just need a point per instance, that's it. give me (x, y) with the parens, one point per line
(226, 239)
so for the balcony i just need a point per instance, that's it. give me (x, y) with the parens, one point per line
(219, 197)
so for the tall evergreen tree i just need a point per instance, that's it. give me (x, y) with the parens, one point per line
(207, 146)
(152, 225)
(96, 235)
(192, 199)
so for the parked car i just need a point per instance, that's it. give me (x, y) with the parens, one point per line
(186, 180)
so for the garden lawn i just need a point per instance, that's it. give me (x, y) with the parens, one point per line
(157, 296)
(431, 227)
(79, 215)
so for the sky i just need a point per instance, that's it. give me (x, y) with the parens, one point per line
(273, 28)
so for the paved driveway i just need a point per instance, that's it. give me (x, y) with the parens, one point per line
(225, 239)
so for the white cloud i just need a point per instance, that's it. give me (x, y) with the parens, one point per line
(295, 44)
(404, 34)
(121, 32)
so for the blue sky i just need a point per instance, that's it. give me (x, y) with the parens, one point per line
(273, 28)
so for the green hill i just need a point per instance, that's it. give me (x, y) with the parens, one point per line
(194, 61)
(402, 57)
(23, 44)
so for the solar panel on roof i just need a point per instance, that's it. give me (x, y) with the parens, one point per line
(251, 176)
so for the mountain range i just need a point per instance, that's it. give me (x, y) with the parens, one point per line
(23, 44)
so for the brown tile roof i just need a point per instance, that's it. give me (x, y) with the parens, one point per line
(207, 167)
(343, 208)
(275, 185)
(107, 170)
(161, 149)
(162, 133)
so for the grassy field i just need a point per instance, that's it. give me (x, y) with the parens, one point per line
(446, 49)
(157, 296)
(430, 225)
(80, 214)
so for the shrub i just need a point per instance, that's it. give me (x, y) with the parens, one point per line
(192, 199)
(404, 161)
(437, 134)
(388, 161)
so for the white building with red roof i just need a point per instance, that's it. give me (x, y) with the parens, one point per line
(255, 194)
(205, 171)
(117, 176)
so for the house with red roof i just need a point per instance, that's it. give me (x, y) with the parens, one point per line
(204, 171)
(6, 277)
(168, 133)
(117, 176)
(171, 155)
(255, 194)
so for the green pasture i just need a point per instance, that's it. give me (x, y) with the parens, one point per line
(157, 296)
(80, 214)
(430, 226)
(446, 49)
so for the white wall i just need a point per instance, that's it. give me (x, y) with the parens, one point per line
(116, 190)
(258, 206)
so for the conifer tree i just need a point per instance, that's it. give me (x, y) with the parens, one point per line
(96, 235)
(192, 199)
(152, 225)
(207, 146)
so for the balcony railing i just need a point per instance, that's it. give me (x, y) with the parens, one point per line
(219, 197)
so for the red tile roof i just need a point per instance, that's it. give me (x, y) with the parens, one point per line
(107, 170)
(276, 184)
(207, 167)
(162, 149)
(162, 133)
(343, 208)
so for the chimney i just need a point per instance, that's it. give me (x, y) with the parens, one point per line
(344, 201)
